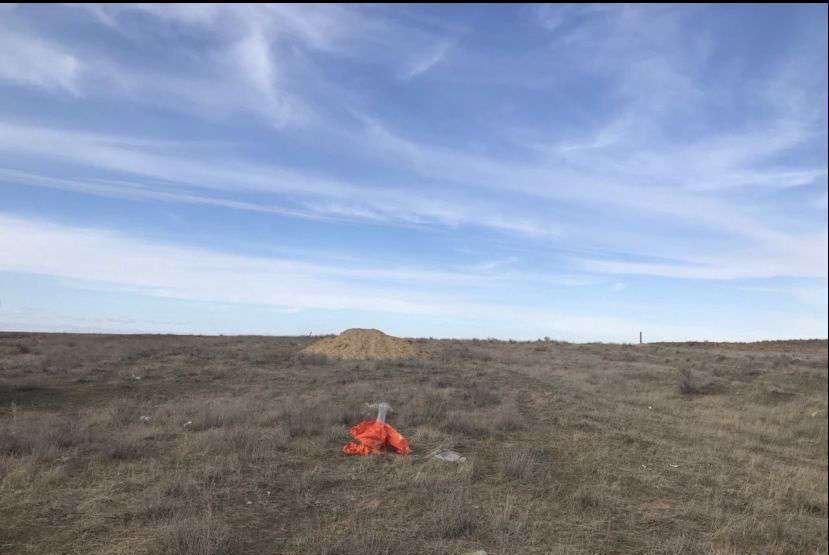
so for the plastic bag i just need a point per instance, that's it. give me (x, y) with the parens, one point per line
(374, 437)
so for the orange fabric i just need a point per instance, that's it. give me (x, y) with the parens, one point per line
(375, 436)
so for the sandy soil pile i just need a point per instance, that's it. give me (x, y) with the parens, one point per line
(363, 344)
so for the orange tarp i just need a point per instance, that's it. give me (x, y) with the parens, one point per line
(375, 436)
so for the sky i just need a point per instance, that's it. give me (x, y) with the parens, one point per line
(577, 172)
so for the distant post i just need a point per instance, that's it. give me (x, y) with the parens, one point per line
(640, 337)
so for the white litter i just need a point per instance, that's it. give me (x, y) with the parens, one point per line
(449, 456)
(383, 408)
(145, 419)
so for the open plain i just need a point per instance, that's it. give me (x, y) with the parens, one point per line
(216, 445)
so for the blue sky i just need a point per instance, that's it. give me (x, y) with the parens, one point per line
(578, 172)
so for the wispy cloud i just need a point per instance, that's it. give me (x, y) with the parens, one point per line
(175, 272)
(815, 296)
(672, 150)
(807, 260)
(38, 63)
(195, 274)
(74, 253)
(234, 59)
(245, 66)
(303, 195)
(427, 60)
(606, 178)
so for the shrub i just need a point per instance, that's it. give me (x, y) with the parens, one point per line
(451, 516)
(193, 535)
(690, 384)
(519, 463)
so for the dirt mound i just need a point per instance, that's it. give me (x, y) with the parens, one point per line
(363, 344)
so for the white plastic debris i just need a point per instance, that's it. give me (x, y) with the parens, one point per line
(449, 456)
(146, 419)
(188, 423)
(382, 409)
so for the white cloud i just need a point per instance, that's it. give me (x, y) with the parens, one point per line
(38, 63)
(103, 259)
(654, 176)
(806, 257)
(176, 272)
(427, 60)
(618, 286)
(257, 59)
(40, 247)
(237, 69)
(614, 180)
(109, 258)
(100, 259)
(814, 296)
(311, 196)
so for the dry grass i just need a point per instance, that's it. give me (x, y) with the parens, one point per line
(222, 445)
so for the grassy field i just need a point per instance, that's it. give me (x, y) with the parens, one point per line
(218, 445)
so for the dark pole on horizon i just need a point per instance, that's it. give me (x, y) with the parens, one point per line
(640, 337)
